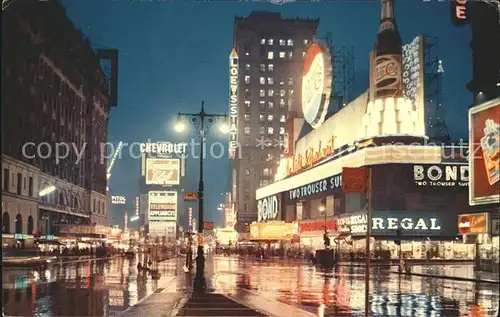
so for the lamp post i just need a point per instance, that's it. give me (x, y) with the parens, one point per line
(204, 121)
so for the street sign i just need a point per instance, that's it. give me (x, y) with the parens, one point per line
(354, 179)
(207, 225)
(190, 196)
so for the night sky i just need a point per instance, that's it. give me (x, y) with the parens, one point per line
(172, 55)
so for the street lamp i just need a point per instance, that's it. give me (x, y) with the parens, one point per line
(202, 120)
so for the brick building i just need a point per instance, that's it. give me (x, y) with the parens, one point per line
(55, 91)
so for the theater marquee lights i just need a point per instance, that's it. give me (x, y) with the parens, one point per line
(233, 102)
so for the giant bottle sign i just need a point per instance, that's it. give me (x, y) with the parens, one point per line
(268, 209)
(387, 74)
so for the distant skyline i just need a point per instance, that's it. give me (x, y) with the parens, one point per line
(172, 55)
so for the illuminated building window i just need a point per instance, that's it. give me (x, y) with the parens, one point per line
(282, 130)
(270, 130)
(306, 41)
(270, 117)
(270, 67)
(262, 93)
(290, 92)
(262, 67)
(282, 81)
(270, 80)
(270, 42)
(262, 41)
(270, 55)
(270, 105)
(247, 103)
(262, 80)
(247, 67)
(262, 104)
(290, 42)
(282, 118)
(270, 92)
(264, 182)
(247, 117)
(282, 54)
(261, 117)
(265, 171)
(282, 42)
(247, 79)
(247, 171)
(290, 81)
(303, 54)
(247, 206)
(282, 102)
(262, 130)
(290, 55)
(247, 130)
(282, 93)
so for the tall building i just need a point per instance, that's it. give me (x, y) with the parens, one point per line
(269, 50)
(56, 100)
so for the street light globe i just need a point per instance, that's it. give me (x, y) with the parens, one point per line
(224, 128)
(322, 208)
(179, 127)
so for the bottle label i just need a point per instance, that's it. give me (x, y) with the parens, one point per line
(387, 72)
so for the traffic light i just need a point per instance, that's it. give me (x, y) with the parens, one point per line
(326, 239)
(398, 237)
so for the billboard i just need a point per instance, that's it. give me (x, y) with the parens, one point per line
(162, 206)
(160, 229)
(316, 84)
(161, 171)
(118, 200)
(484, 149)
(233, 102)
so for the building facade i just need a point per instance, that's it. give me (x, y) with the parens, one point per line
(270, 51)
(55, 114)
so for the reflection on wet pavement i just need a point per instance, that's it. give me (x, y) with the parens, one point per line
(107, 288)
(97, 288)
(341, 292)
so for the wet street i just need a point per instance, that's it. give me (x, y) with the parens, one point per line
(90, 288)
(107, 288)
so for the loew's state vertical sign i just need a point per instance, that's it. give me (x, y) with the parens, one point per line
(233, 102)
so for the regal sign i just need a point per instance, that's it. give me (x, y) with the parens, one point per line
(325, 185)
(441, 175)
(312, 155)
(233, 102)
(268, 209)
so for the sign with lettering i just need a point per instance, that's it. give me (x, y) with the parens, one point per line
(331, 225)
(118, 200)
(387, 73)
(326, 185)
(441, 175)
(233, 102)
(190, 196)
(163, 148)
(353, 224)
(354, 179)
(413, 223)
(459, 12)
(162, 206)
(473, 223)
(312, 156)
(268, 209)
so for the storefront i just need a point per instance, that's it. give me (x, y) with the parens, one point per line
(275, 235)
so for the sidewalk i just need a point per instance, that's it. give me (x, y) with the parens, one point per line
(176, 298)
(454, 271)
